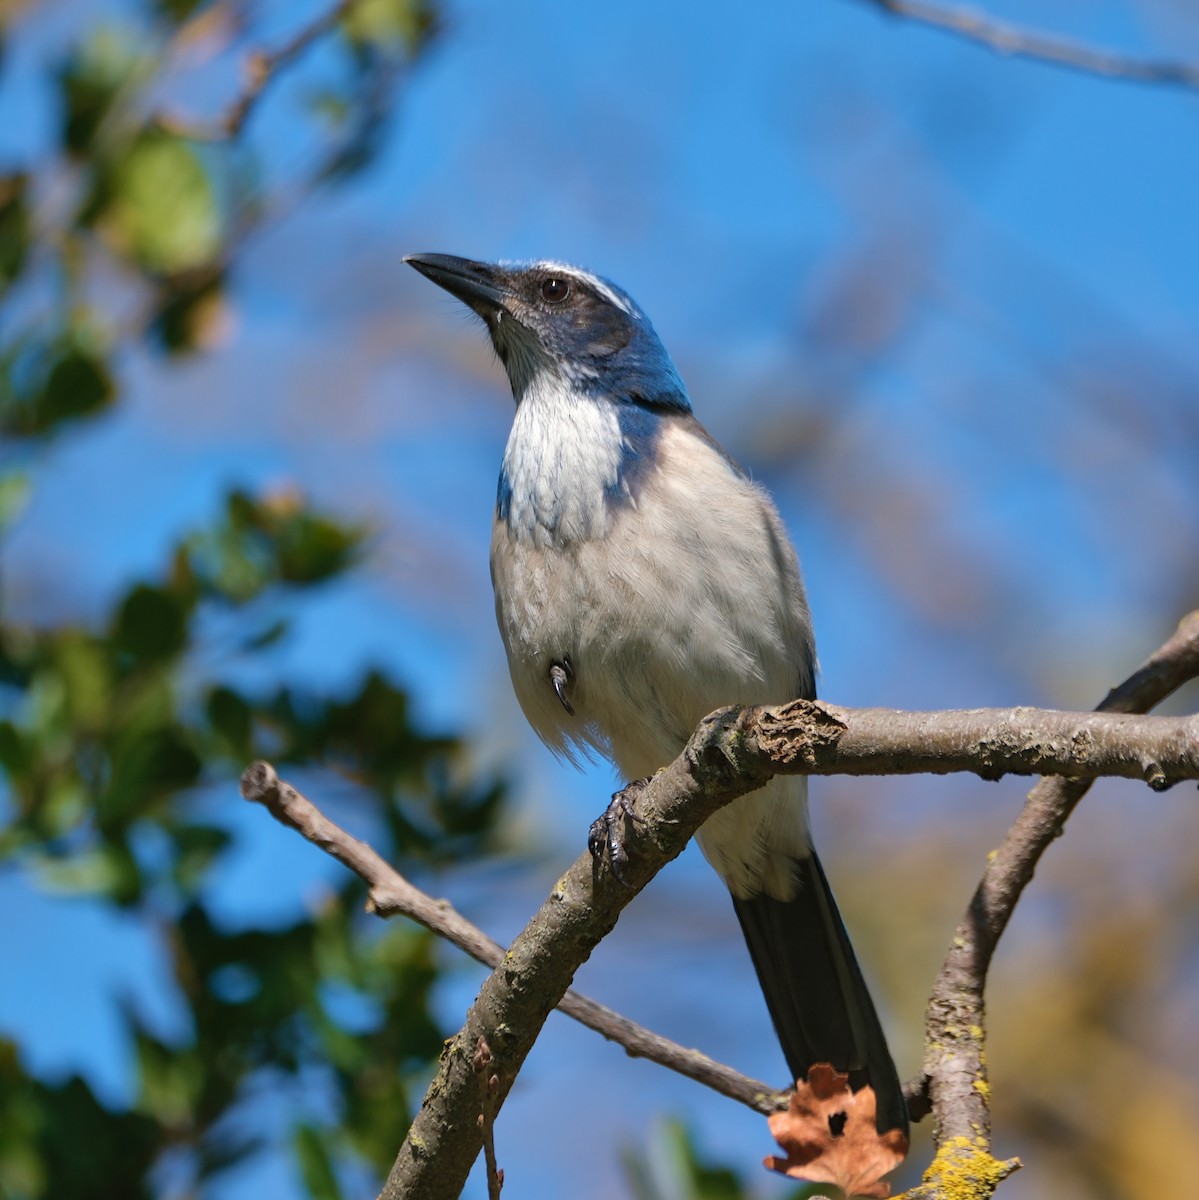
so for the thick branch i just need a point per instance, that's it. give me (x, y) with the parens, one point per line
(955, 1062)
(516, 998)
(392, 895)
(734, 752)
(1006, 38)
(810, 737)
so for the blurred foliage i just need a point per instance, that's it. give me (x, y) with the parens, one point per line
(158, 205)
(670, 1167)
(108, 739)
(113, 733)
(168, 200)
(47, 379)
(14, 227)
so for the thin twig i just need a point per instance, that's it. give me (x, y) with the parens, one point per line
(1007, 38)
(955, 1062)
(390, 895)
(252, 217)
(489, 1085)
(259, 69)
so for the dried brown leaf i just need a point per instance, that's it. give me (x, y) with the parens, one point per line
(829, 1136)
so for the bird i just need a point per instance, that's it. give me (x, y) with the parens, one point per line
(643, 580)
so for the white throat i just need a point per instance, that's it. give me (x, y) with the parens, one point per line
(563, 457)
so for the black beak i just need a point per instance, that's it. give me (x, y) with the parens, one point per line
(474, 283)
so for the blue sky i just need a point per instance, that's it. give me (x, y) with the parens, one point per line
(944, 304)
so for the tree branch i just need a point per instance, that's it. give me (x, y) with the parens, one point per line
(390, 895)
(955, 1060)
(811, 737)
(515, 999)
(733, 752)
(259, 69)
(1006, 38)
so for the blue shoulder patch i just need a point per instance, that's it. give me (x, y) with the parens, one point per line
(640, 429)
(503, 496)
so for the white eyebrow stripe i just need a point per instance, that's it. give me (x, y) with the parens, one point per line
(592, 281)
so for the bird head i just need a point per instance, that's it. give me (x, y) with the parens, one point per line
(549, 318)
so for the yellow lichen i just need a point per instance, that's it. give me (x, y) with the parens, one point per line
(964, 1170)
(983, 1088)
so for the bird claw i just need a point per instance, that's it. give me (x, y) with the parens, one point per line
(560, 675)
(606, 835)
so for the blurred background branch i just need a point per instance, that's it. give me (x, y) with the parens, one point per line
(1005, 37)
(259, 69)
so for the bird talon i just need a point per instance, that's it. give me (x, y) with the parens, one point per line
(597, 837)
(605, 838)
(560, 675)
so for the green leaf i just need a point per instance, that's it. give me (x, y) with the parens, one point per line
(231, 717)
(57, 1139)
(92, 79)
(43, 384)
(108, 870)
(16, 752)
(316, 1165)
(14, 227)
(85, 671)
(161, 206)
(390, 24)
(177, 10)
(277, 539)
(79, 383)
(312, 547)
(171, 1080)
(197, 847)
(14, 495)
(152, 624)
(146, 767)
(105, 730)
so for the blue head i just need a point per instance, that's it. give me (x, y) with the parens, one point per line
(593, 387)
(549, 318)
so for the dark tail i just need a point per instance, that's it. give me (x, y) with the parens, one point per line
(815, 992)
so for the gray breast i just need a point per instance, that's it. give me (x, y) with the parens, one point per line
(689, 599)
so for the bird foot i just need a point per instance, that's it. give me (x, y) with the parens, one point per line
(607, 833)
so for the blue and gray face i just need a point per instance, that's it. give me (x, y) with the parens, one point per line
(548, 317)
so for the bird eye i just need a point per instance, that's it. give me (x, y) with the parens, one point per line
(555, 290)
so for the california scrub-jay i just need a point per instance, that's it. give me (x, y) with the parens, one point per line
(642, 581)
